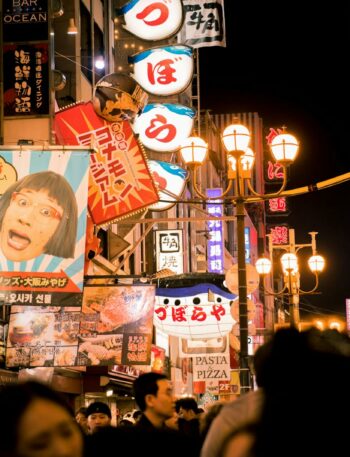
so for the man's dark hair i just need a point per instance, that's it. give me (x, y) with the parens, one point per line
(187, 404)
(144, 385)
(81, 410)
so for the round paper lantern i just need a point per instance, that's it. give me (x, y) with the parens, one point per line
(231, 278)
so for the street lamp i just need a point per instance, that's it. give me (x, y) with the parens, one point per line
(291, 274)
(240, 160)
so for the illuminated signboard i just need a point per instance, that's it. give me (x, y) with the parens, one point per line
(201, 311)
(169, 251)
(163, 127)
(247, 243)
(165, 70)
(215, 242)
(204, 23)
(26, 79)
(152, 20)
(25, 20)
(279, 233)
(277, 206)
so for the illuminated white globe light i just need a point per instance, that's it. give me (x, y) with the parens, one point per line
(236, 138)
(263, 266)
(284, 148)
(289, 263)
(193, 150)
(100, 63)
(247, 159)
(316, 263)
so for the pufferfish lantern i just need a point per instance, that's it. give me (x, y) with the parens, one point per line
(118, 97)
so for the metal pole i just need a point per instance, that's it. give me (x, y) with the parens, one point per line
(242, 298)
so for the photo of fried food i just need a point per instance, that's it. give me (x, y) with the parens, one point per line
(102, 350)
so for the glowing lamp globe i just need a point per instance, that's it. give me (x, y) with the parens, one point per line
(316, 263)
(289, 263)
(236, 138)
(263, 266)
(284, 148)
(193, 150)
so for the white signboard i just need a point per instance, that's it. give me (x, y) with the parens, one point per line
(209, 367)
(169, 250)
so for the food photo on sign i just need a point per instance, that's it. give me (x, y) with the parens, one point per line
(42, 336)
(116, 325)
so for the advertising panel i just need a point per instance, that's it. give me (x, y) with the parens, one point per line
(169, 251)
(120, 181)
(43, 209)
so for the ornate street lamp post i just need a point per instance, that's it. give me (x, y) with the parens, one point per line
(291, 274)
(240, 160)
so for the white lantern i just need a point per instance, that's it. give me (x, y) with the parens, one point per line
(316, 263)
(236, 138)
(289, 263)
(263, 266)
(193, 150)
(284, 148)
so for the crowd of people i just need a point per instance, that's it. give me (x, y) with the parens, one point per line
(299, 408)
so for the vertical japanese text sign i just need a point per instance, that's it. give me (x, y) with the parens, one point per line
(215, 242)
(26, 58)
(169, 250)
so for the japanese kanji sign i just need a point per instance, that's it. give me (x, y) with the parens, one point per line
(169, 250)
(26, 79)
(120, 181)
(204, 23)
(216, 236)
(279, 233)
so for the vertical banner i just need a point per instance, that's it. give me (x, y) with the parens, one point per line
(216, 238)
(169, 250)
(43, 208)
(26, 79)
(25, 32)
(204, 23)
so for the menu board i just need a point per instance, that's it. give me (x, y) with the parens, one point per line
(114, 326)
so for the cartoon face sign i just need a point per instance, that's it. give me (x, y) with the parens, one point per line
(170, 179)
(165, 70)
(201, 311)
(8, 175)
(152, 20)
(163, 127)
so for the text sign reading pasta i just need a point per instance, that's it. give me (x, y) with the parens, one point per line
(43, 208)
(116, 325)
(120, 182)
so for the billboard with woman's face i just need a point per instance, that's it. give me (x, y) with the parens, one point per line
(42, 225)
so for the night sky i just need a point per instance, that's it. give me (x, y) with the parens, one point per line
(290, 65)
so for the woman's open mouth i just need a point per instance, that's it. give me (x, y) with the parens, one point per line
(18, 241)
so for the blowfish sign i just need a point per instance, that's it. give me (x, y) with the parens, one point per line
(201, 311)
(152, 20)
(171, 180)
(163, 71)
(163, 127)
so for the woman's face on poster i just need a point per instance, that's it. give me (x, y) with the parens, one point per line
(28, 224)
